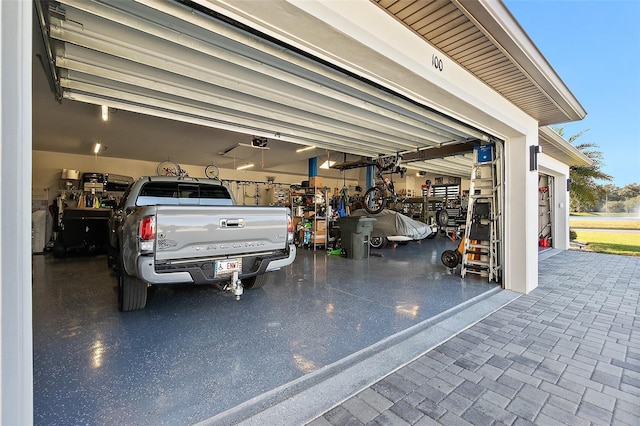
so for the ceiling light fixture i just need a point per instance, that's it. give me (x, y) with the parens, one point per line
(105, 113)
(96, 149)
(246, 166)
(306, 148)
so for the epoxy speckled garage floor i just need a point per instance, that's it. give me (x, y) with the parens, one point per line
(194, 352)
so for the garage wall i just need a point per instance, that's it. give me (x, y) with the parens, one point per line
(48, 165)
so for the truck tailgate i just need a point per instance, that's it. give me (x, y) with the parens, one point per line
(203, 232)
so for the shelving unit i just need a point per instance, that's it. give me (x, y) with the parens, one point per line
(310, 205)
(424, 208)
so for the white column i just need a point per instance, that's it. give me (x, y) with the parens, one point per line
(521, 215)
(16, 351)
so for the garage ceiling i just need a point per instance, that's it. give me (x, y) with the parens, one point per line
(193, 86)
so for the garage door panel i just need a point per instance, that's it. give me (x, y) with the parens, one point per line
(391, 124)
(217, 107)
(214, 72)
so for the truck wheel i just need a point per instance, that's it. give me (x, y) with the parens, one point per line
(132, 292)
(255, 282)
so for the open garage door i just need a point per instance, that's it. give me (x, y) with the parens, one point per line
(181, 61)
(168, 60)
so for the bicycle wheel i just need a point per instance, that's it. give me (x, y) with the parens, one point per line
(374, 200)
(212, 171)
(168, 168)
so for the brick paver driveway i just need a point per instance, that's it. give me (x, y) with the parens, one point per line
(567, 353)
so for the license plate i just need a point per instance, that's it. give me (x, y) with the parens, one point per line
(228, 266)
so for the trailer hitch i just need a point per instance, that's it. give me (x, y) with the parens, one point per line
(235, 286)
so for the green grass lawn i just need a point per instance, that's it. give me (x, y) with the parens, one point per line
(586, 214)
(611, 242)
(584, 222)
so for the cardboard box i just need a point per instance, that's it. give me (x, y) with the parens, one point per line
(315, 181)
(321, 226)
(309, 214)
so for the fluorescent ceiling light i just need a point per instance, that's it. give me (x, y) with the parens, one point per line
(306, 148)
(105, 113)
(246, 166)
(327, 164)
(96, 149)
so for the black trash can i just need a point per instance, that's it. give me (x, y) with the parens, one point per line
(355, 232)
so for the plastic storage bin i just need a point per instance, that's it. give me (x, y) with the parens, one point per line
(355, 232)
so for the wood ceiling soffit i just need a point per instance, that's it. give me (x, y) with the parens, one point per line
(430, 21)
(450, 30)
(460, 27)
(414, 11)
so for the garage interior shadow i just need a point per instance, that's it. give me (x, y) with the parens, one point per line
(195, 351)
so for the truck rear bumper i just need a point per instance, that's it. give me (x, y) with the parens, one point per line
(147, 272)
(281, 263)
(194, 273)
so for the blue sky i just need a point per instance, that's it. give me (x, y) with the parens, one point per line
(594, 46)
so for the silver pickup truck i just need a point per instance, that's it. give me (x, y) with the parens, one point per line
(177, 230)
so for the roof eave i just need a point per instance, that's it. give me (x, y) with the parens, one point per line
(560, 149)
(500, 25)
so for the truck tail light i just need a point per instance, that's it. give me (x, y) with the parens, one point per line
(289, 229)
(147, 233)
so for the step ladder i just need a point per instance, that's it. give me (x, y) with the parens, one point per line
(482, 245)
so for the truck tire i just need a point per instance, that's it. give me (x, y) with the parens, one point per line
(132, 292)
(255, 282)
